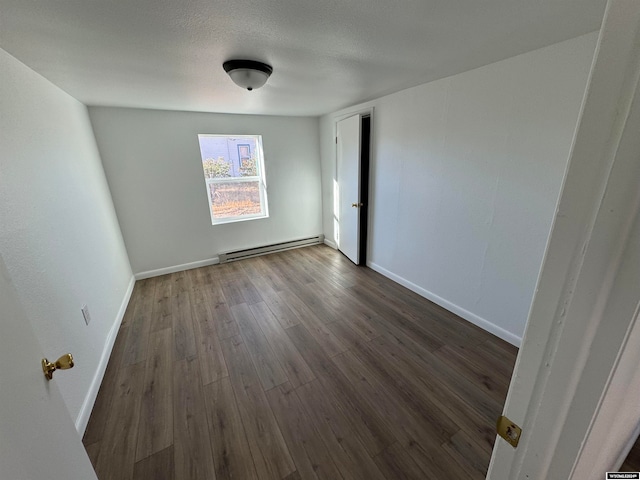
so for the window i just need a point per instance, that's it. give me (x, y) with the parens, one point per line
(233, 169)
(244, 152)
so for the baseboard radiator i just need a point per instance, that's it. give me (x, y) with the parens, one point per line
(276, 247)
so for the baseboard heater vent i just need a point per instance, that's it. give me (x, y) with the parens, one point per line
(276, 247)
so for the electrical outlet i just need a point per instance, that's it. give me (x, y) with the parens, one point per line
(85, 314)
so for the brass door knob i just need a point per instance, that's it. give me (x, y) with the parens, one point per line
(65, 362)
(356, 205)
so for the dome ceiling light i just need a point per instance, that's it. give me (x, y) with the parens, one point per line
(248, 74)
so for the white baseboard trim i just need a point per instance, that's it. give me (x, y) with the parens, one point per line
(90, 399)
(330, 243)
(461, 312)
(177, 268)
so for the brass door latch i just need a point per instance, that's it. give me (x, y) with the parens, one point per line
(509, 431)
(65, 362)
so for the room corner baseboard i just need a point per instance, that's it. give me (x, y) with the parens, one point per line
(461, 312)
(177, 268)
(330, 243)
(90, 399)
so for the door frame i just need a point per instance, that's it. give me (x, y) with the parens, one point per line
(365, 229)
(577, 346)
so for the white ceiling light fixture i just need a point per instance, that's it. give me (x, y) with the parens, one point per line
(248, 74)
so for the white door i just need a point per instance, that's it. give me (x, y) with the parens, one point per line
(348, 179)
(38, 440)
(575, 387)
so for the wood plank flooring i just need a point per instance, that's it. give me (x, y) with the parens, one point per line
(295, 365)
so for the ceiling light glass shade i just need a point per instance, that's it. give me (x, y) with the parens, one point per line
(248, 74)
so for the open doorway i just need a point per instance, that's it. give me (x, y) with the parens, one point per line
(365, 148)
(353, 146)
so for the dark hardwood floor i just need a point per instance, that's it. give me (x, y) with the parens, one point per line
(296, 365)
(632, 462)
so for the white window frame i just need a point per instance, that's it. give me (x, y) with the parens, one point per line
(260, 178)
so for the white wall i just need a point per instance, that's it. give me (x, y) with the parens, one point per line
(465, 176)
(153, 166)
(59, 235)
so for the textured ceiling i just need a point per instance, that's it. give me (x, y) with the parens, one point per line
(326, 54)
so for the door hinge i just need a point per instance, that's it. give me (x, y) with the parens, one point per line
(509, 431)
(336, 140)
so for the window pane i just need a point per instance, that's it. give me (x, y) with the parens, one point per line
(244, 151)
(224, 156)
(235, 199)
(233, 167)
